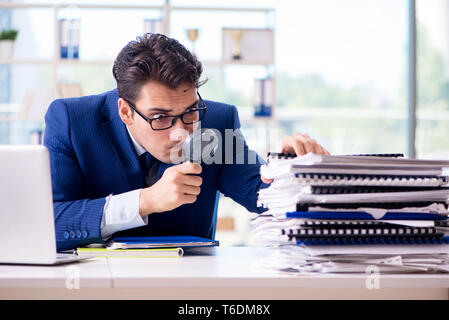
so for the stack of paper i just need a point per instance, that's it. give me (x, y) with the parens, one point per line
(344, 213)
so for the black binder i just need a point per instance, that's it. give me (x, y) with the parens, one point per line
(370, 180)
(362, 189)
(381, 205)
(283, 155)
(362, 232)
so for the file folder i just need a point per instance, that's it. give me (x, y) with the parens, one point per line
(161, 242)
(131, 253)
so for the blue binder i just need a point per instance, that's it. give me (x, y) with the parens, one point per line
(161, 242)
(358, 215)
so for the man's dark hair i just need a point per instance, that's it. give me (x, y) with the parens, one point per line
(154, 57)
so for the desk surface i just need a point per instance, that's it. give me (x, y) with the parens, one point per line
(226, 273)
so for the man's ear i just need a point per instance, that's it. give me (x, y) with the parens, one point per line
(125, 112)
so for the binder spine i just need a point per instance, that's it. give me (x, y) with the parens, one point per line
(305, 179)
(302, 207)
(283, 155)
(280, 155)
(370, 240)
(382, 155)
(365, 216)
(362, 233)
(354, 224)
(371, 189)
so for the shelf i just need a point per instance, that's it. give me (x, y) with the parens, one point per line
(17, 119)
(221, 63)
(254, 120)
(9, 108)
(183, 8)
(25, 61)
(55, 61)
(18, 5)
(210, 63)
(85, 62)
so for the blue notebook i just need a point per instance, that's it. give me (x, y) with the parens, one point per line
(160, 242)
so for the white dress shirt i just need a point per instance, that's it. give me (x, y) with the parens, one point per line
(121, 211)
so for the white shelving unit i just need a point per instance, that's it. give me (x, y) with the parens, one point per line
(56, 62)
(239, 214)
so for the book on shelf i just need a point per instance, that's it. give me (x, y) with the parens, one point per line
(69, 30)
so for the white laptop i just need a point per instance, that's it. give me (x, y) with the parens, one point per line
(27, 228)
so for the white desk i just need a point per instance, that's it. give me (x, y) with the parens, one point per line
(227, 274)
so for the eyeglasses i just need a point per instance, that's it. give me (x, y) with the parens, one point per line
(163, 122)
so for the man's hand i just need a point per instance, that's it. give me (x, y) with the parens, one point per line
(176, 187)
(299, 144)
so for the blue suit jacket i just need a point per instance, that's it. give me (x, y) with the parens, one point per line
(92, 156)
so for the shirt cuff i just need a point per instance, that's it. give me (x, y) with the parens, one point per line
(121, 212)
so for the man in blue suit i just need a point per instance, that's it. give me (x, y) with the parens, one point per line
(112, 154)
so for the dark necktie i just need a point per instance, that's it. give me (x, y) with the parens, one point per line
(150, 168)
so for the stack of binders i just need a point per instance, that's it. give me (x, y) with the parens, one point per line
(345, 213)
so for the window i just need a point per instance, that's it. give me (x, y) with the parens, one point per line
(341, 73)
(432, 79)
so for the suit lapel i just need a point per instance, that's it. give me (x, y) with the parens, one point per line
(117, 134)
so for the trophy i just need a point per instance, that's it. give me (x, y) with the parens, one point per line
(192, 34)
(236, 50)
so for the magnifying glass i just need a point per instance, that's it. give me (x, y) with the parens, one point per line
(200, 146)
